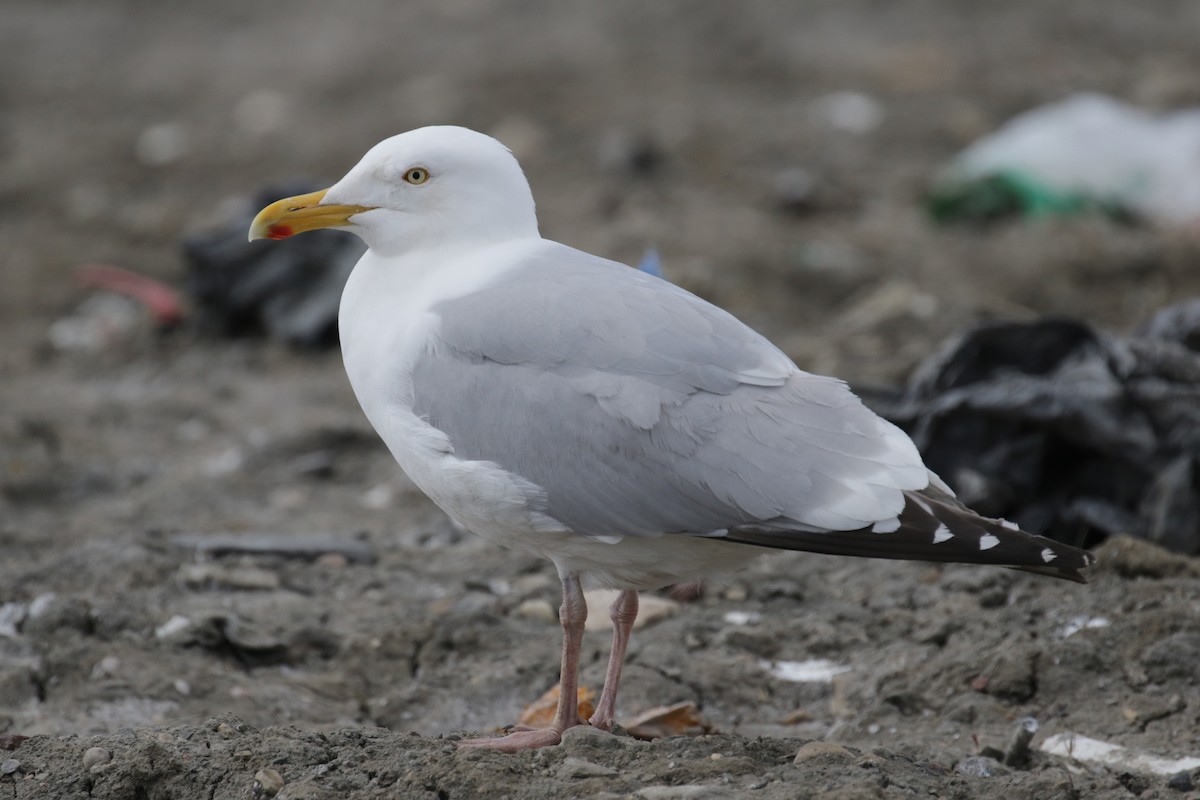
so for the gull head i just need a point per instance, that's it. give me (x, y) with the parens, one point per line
(431, 187)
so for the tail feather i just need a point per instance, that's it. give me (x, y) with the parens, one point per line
(935, 527)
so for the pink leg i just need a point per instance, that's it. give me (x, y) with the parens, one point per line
(624, 611)
(572, 615)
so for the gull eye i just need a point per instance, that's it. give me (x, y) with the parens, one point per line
(416, 175)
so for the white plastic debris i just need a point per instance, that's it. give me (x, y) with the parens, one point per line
(1081, 623)
(743, 617)
(1094, 751)
(815, 670)
(1101, 148)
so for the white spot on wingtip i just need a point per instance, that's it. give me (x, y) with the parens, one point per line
(1048, 555)
(988, 541)
(886, 526)
(1012, 526)
(942, 534)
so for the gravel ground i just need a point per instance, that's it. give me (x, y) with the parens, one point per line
(213, 574)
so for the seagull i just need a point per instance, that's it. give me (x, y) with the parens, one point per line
(634, 434)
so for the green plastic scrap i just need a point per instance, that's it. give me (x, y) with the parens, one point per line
(1011, 193)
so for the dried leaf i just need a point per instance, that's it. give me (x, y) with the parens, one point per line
(540, 713)
(681, 719)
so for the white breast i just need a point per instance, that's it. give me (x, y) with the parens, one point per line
(385, 323)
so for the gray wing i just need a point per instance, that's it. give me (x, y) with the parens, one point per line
(641, 409)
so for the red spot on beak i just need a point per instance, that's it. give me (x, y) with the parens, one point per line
(279, 232)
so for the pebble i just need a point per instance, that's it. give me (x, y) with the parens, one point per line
(9, 766)
(651, 609)
(821, 750)
(267, 783)
(95, 756)
(1181, 781)
(106, 667)
(585, 737)
(537, 609)
(978, 767)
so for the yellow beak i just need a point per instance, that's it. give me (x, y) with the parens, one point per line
(298, 214)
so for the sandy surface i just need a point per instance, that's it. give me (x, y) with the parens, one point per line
(344, 659)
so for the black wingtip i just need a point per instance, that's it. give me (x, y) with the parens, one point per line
(940, 530)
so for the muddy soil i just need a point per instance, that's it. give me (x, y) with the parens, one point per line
(212, 573)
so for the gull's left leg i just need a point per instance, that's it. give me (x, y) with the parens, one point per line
(573, 615)
(624, 611)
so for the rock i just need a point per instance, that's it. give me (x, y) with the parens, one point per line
(95, 756)
(267, 783)
(9, 766)
(822, 750)
(579, 768)
(536, 609)
(1181, 781)
(979, 767)
(651, 609)
(587, 738)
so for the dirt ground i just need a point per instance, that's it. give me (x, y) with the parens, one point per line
(138, 478)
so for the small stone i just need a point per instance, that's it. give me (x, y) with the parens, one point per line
(332, 560)
(95, 756)
(735, 592)
(267, 783)
(9, 766)
(978, 767)
(585, 737)
(106, 667)
(651, 609)
(536, 609)
(821, 750)
(579, 768)
(1181, 781)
